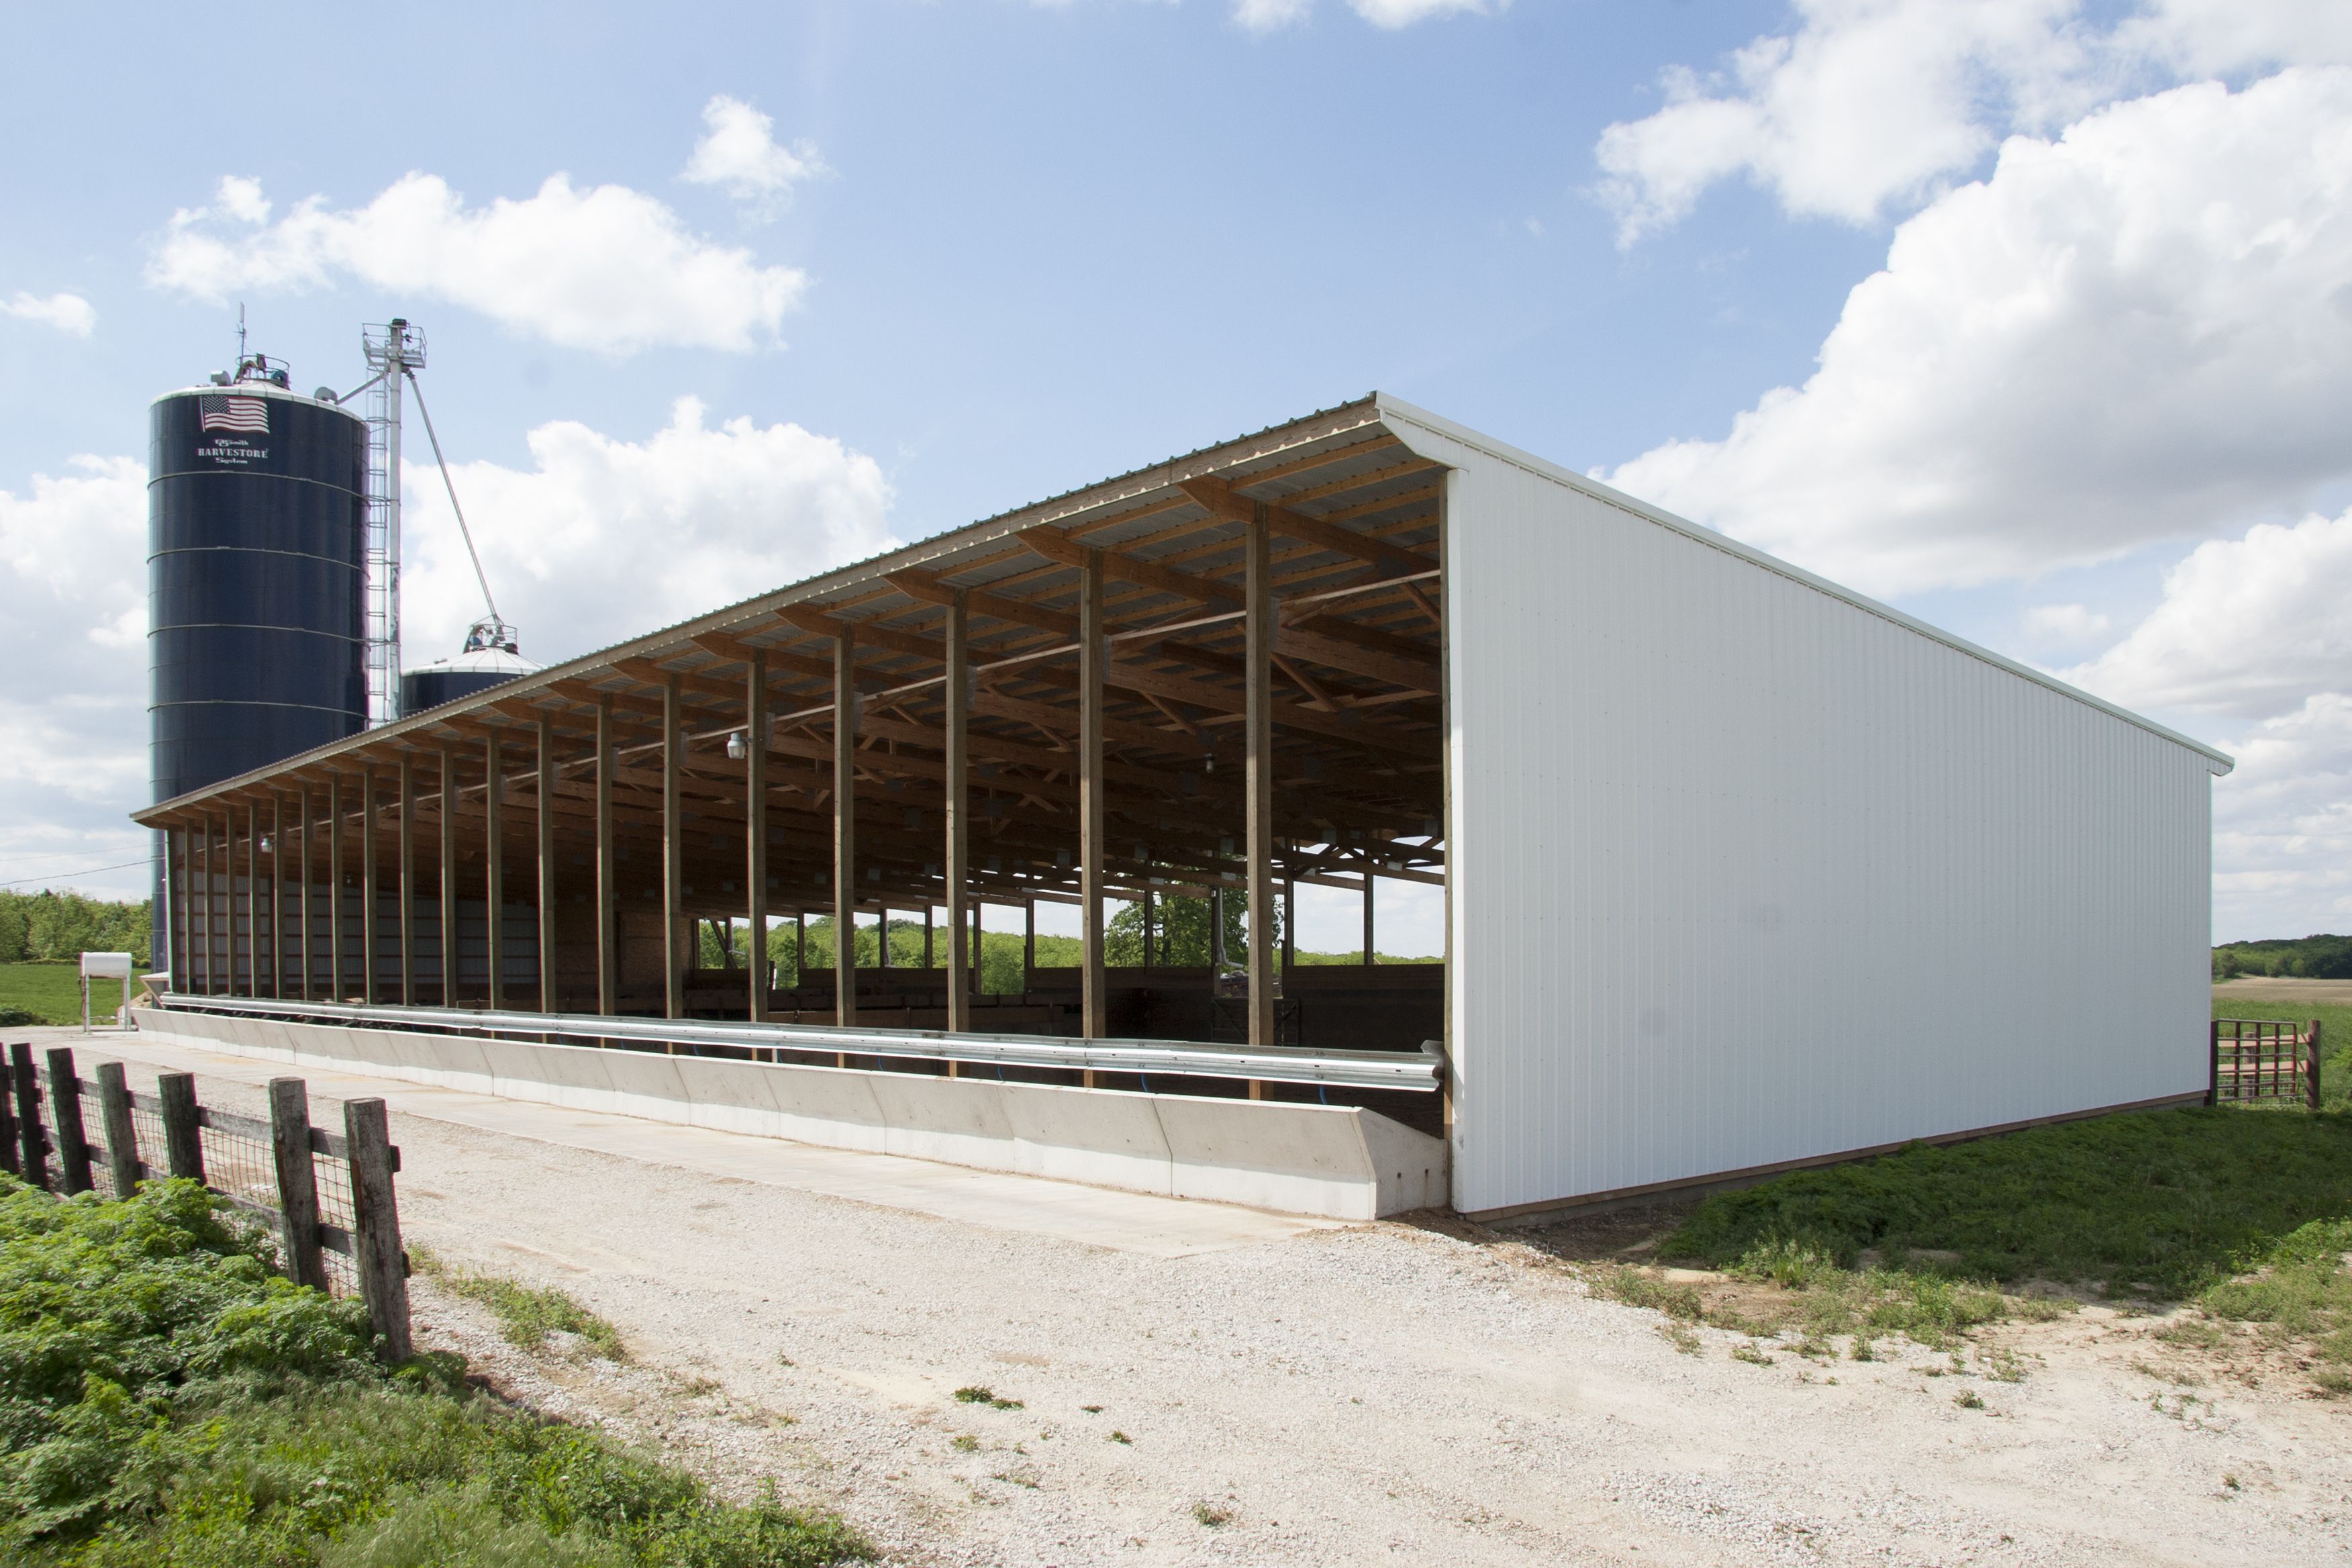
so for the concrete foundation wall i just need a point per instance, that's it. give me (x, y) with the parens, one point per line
(1338, 1162)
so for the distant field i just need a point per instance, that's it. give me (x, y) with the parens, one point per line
(52, 991)
(2268, 988)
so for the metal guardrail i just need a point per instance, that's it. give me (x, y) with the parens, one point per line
(1413, 1073)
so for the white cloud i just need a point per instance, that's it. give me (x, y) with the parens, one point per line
(2063, 626)
(1405, 13)
(606, 267)
(68, 314)
(73, 718)
(2283, 827)
(2131, 333)
(1872, 105)
(739, 153)
(1868, 103)
(2258, 630)
(1266, 15)
(2212, 38)
(600, 540)
(603, 538)
(2248, 627)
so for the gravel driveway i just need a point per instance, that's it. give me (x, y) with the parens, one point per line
(1384, 1393)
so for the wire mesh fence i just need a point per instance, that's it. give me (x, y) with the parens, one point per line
(336, 1209)
(325, 1198)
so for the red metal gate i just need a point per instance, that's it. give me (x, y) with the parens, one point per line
(2259, 1061)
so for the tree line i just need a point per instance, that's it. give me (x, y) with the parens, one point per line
(2321, 957)
(49, 926)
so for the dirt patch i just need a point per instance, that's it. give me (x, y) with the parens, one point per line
(2283, 988)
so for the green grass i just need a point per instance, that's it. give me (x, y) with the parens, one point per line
(2298, 1289)
(167, 1402)
(526, 1316)
(2334, 1039)
(2165, 1204)
(978, 1396)
(50, 993)
(2245, 1212)
(1816, 1299)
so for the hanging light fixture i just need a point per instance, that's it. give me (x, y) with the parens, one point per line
(737, 749)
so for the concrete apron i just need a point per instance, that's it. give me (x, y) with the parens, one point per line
(1330, 1160)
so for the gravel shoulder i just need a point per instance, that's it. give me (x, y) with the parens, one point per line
(1400, 1392)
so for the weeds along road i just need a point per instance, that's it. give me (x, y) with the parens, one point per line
(1347, 1395)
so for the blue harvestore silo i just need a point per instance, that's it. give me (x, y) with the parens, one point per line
(490, 658)
(256, 527)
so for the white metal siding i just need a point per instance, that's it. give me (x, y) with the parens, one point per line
(1745, 872)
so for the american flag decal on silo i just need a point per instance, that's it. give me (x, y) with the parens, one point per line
(249, 414)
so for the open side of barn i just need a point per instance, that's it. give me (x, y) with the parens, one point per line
(1741, 869)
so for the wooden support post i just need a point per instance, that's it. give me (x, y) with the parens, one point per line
(1151, 918)
(882, 937)
(335, 893)
(845, 827)
(183, 1144)
(404, 885)
(963, 958)
(381, 1266)
(2314, 1064)
(32, 1147)
(673, 853)
(228, 883)
(11, 1157)
(799, 947)
(1258, 786)
(1028, 945)
(302, 900)
(755, 830)
(257, 903)
(1370, 950)
(65, 1113)
(931, 960)
(297, 1182)
(277, 894)
(494, 865)
(204, 905)
(175, 887)
(1094, 657)
(252, 895)
(176, 908)
(608, 916)
(546, 825)
(450, 946)
(122, 1130)
(368, 886)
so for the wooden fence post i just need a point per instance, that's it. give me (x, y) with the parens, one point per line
(8, 1160)
(122, 1131)
(2213, 1066)
(184, 1147)
(2314, 1064)
(375, 1225)
(65, 1110)
(297, 1180)
(31, 1146)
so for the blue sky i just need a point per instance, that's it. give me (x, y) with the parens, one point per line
(2026, 315)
